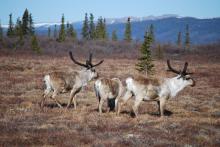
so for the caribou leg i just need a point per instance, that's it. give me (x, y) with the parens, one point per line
(162, 106)
(136, 105)
(100, 105)
(124, 100)
(158, 103)
(54, 98)
(45, 95)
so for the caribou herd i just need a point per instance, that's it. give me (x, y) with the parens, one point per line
(141, 88)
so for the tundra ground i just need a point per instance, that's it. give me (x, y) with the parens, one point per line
(193, 117)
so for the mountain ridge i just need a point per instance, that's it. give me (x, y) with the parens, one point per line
(202, 30)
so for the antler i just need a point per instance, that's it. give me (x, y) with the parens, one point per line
(88, 62)
(76, 62)
(98, 63)
(90, 58)
(185, 68)
(182, 73)
(171, 69)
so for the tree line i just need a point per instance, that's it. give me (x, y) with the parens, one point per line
(90, 30)
(24, 29)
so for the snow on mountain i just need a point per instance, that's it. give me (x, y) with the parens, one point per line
(137, 19)
(108, 20)
(46, 24)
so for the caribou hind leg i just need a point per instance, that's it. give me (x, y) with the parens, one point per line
(123, 101)
(162, 106)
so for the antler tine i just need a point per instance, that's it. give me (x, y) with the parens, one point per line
(76, 62)
(185, 68)
(98, 63)
(90, 58)
(171, 69)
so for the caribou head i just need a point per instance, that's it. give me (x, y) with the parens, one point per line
(182, 74)
(89, 66)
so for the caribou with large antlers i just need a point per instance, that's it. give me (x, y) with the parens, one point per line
(145, 89)
(61, 82)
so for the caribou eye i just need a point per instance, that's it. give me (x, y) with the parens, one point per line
(187, 78)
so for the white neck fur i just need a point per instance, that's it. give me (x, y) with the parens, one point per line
(176, 84)
(85, 76)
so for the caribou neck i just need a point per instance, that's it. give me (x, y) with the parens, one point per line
(175, 85)
(85, 76)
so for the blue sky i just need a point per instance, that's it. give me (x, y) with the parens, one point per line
(74, 10)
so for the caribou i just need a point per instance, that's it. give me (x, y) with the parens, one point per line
(108, 89)
(62, 82)
(160, 90)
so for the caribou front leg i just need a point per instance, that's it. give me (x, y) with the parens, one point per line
(54, 98)
(100, 105)
(45, 95)
(73, 93)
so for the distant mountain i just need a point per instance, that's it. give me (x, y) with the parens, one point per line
(138, 19)
(166, 27)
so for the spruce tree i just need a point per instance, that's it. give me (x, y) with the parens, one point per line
(101, 32)
(18, 31)
(179, 39)
(34, 44)
(1, 32)
(159, 52)
(67, 29)
(145, 64)
(114, 36)
(127, 33)
(72, 32)
(55, 32)
(91, 27)
(85, 28)
(25, 22)
(48, 32)
(151, 33)
(17, 26)
(187, 38)
(10, 32)
(31, 25)
(105, 34)
(99, 27)
(62, 31)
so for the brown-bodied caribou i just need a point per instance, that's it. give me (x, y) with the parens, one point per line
(107, 90)
(61, 82)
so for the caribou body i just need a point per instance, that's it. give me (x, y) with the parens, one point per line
(146, 89)
(61, 82)
(108, 90)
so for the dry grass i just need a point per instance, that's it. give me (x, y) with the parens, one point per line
(194, 121)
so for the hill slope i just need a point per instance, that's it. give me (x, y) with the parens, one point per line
(166, 28)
